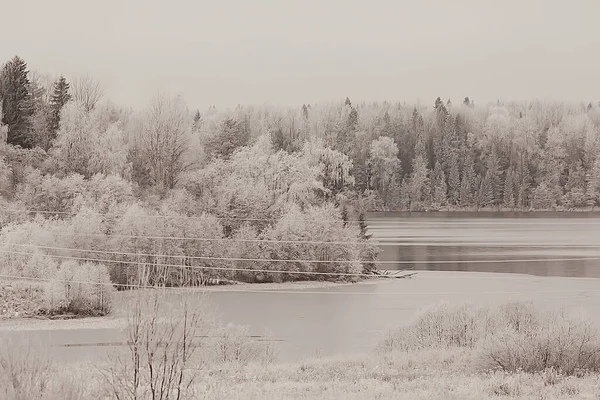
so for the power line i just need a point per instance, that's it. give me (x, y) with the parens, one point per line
(206, 215)
(298, 291)
(201, 239)
(372, 241)
(213, 258)
(199, 267)
(379, 242)
(386, 220)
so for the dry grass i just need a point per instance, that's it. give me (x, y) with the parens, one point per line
(20, 299)
(448, 352)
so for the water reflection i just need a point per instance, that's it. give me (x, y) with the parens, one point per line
(543, 244)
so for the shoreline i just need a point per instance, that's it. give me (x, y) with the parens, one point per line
(115, 319)
(422, 281)
(491, 211)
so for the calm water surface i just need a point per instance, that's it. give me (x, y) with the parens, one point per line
(545, 244)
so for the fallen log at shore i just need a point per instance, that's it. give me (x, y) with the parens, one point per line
(397, 274)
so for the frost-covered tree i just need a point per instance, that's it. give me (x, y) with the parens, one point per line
(495, 178)
(230, 135)
(593, 185)
(509, 195)
(163, 140)
(485, 194)
(575, 189)
(89, 143)
(439, 188)
(454, 180)
(321, 224)
(385, 166)
(334, 167)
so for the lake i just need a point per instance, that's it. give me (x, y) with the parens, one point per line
(352, 318)
(545, 244)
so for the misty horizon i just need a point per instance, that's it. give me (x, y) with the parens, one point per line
(237, 53)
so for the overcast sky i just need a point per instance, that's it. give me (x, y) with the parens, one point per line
(292, 52)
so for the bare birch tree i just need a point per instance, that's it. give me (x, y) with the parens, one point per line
(164, 139)
(86, 91)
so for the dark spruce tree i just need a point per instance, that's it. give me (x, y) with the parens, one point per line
(17, 103)
(304, 112)
(60, 97)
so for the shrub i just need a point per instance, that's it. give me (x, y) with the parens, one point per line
(233, 345)
(5, 178)
(560, 342)
(446, 326)
(512, 337)
(80, 289)
(161, 351)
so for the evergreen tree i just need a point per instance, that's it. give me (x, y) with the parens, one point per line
(363, 227)
(344, 213)
(438, 140)
(485, 195)
(419, 132)
(348, 103)
(420, 189)
(419, 183)
(523, 186)
(40, 134)
(468, 184)
(353, 119)
(466, 197)
(439, 188)
(543, 197)
(387, 121)
(450, 144)
(467, 101)
(509, 190)
(593, 185)
(304, 112)
(493, 166)
(454, 186)
(60, 97)
(576, 187)
(3, 128)
(405, 194)
(17, 102)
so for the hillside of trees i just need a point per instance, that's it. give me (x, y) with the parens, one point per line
(174, 194)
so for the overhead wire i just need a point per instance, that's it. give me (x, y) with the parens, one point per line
(193, 217)
(298, 291)
(215, 258)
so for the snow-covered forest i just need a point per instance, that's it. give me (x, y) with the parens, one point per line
(172, 194)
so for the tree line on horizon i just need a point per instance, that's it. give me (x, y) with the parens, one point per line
(515, 156)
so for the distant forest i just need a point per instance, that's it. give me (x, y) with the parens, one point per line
(270, 173)
(403, 157)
